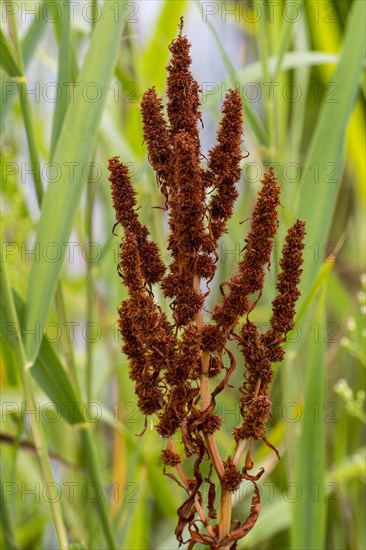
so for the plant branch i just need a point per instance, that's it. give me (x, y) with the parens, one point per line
(198, 506)
(225, 516)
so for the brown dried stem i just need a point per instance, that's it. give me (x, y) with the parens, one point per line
(225, 516)
(239, 451)
(205, 391)
(197, 505)
(225, 497)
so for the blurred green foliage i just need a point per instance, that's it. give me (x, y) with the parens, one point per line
(309, 123)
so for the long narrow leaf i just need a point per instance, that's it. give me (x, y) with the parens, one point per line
(65, 74)
(286, 35)
(75, 148)
(309, 508)
(8, 57)
(29, 44)
(47, 370)
(322, 172)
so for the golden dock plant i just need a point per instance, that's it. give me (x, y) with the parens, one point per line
(180, 364)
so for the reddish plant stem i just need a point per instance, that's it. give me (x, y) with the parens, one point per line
(205, 391)
(205, 357)
(225, 516)
(225, 499)
(198, 507)
(243, 442)
(239, 451)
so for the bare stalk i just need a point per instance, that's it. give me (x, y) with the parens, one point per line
(239, 451)
(198, 507)
(225, 516)
(225, 500)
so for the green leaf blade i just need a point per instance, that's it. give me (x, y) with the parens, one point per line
(74, 148)
(8, 56)
(310, 507)
(322, 172)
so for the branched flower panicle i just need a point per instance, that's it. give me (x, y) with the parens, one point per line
(172, 359)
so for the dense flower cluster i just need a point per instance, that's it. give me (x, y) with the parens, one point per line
(157, 137)
(124, 202)
(258, 247)
(224, 164)
(261, 350)
(232, 477)
(174, 358)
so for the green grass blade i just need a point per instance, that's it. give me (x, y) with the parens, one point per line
(27, 113)
(309, 510)
(321, 175)
(317, 283)
(138, 535)
(286, 35)
(7, 535)
(291, 60)
(95, 477)
(75, 145)
(10, 314)
(8, 56)
(64, 75)
(52, 378)
(48, 370)
(35, 32)
(28, 45)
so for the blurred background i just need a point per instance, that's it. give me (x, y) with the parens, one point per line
(72, 78)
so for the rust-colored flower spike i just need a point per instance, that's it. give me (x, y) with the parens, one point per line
(187, 230)
(258, 248)
(183, 91)
(283, 306)
(172, 357)
(189, 242)
(156, 136)
(224, 164)
(255, 406)
(261, 350)
(124, 202)
(148, 338)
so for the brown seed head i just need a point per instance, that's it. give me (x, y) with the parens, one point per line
(224, 164)
(157, 137)
(124, 202)
(183, 91)
(259, 243)
(170, 458)
(256, 412)
(232, 477)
